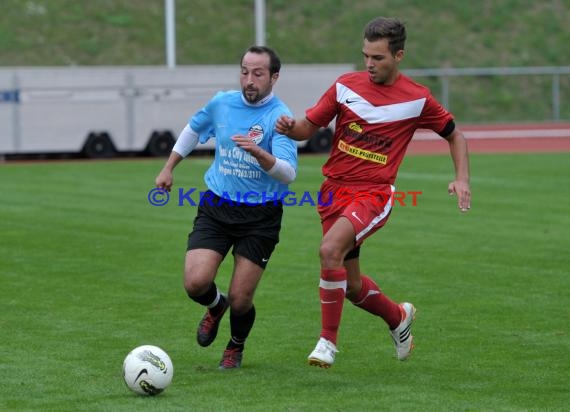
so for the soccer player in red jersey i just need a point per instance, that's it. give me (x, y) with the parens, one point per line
(377, 112)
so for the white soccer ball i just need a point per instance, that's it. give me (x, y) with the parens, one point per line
(147, 370)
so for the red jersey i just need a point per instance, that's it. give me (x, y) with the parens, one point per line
(374, 125)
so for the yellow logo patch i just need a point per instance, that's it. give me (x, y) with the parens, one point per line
(362, 153)
(356, 127)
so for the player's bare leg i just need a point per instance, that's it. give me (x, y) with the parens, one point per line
(200, 268)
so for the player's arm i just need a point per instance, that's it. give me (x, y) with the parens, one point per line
(296, 129)
(186, 142)
(275, 167)
(460, 155)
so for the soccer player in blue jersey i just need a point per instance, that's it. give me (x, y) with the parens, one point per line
(252, 168)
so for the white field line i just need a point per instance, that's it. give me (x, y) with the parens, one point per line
(499, 134)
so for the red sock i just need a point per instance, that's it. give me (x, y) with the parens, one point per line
(372, 300)
(332, 290)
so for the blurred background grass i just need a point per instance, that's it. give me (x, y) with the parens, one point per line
(441, 33)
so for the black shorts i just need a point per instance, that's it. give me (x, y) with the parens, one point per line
(252, 230)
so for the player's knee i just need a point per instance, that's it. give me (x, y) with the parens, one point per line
(194, 286)
(330, 252)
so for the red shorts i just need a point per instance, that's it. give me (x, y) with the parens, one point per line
(367, 207)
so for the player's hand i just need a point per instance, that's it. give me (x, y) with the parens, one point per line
(461, 189)
(246, 143)
(284, 125)
(164, 180)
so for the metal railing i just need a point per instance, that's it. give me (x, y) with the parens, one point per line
(445, 74)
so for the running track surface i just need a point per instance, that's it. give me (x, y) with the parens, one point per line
(507, 138)
(500, 138)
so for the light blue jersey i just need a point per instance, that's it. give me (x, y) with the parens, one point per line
(236, 174)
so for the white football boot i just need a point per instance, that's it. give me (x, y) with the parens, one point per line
(323, 354)
(402, 335)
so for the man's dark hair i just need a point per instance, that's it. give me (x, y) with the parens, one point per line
(274, 61)
(387, 28)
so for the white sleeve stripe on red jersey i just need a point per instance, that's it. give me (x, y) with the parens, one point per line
(378, 114)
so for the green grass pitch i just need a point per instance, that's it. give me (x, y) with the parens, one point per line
(89, 270)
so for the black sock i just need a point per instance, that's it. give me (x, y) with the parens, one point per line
(232, 344)
(240, 326)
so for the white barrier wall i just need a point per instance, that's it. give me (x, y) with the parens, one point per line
(50, 110)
